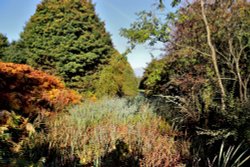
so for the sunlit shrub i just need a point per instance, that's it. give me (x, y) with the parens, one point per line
(116, 79)
(30, 91)
(26, 93)
(13, 130)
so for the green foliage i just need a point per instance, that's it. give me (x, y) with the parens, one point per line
(175, 2)
(15, 53)
(148, 28)
(117, 78)
(185, 76)
(152, 75)
(66, 38)
(188, 67)
(3, 44)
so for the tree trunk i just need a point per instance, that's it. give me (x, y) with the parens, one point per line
(214, 57)
(236, 58)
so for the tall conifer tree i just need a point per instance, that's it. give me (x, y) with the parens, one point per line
(67, 38)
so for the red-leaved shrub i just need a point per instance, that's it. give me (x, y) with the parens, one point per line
(30, 91)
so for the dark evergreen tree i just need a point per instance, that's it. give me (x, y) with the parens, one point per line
(67, 38)
(15, 53)
(3, 44)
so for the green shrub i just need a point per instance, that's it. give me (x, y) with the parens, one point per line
(117, 78)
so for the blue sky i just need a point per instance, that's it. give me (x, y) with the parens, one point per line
(116, 14)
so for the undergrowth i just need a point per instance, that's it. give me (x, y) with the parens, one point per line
(113, 132)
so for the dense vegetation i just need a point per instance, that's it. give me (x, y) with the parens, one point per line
(32, 91)
(68, 48)
(66, 38)
(3, 44)
(27, 95)
(60, 110)
(110, 132)
(117, 78)
(204, 75)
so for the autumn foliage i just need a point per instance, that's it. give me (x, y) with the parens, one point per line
(31, 91)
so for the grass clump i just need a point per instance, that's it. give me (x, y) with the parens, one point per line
(231, 157)
(113, 132)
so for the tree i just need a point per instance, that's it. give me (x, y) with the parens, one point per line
(207, 51)
(15, 53)
(194, 32)
(213, 55)
(3, 44)
(235, 51)
(117, 78)
(67, 38)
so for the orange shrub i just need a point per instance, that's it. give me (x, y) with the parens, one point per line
(24, 89)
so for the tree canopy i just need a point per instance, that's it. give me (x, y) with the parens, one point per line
(117, 79)
(66, 38)
(199, 37)
(3, 44)
(185, 37)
